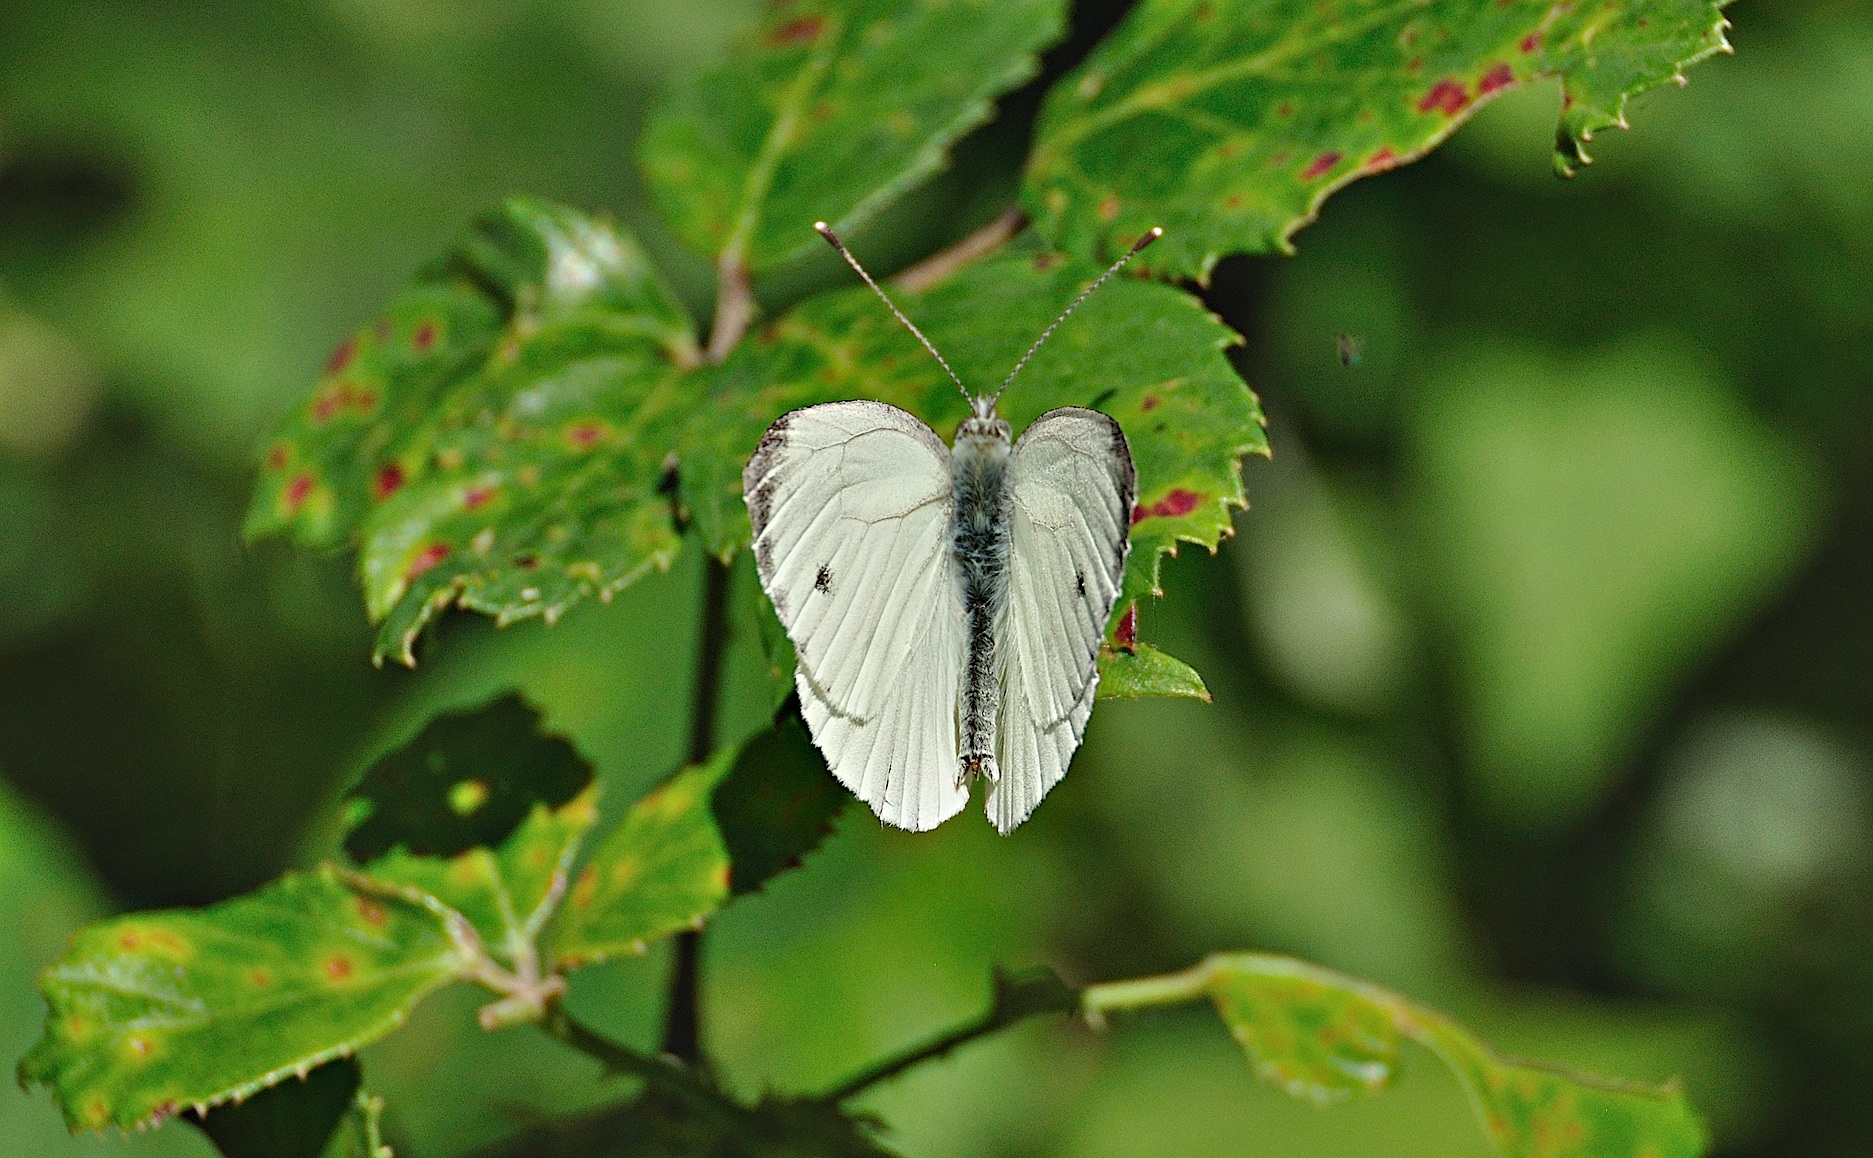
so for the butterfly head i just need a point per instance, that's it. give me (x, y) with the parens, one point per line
(980, 427)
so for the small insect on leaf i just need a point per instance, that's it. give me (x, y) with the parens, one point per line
(1352, 350)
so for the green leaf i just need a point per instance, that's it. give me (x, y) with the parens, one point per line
(469, 779)
(759, 807)
(360, 437)
(290, 1120)
(1229, 122)
(1146, 671)
(776, 804)
(479, 819)
(155, 1012)
(663, 869)
(1325, 1037)
(508, 894)
(1147, 354)
(508, 456)
(831, 111)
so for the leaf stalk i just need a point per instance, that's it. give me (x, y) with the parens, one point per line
(974, 247)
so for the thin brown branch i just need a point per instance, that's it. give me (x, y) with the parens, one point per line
(974, 247)
(734, 307)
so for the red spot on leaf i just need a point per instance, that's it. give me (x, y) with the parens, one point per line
(1446, 96)
(802, 31)
(425, 559)
(1320, 166)
(276, 457)
(1127, 634)
(1228, 150)
(1531, 42)
(260, 979)
(1499, 77)
(139, 1046)
(129, 940)
(365, 400)
(425, 337)
(1046, 261)
(338, 967)
(342, 356)
(328, 404)
(1233, 201)
(1149, 404)
(1415, 65)
(1382, 159)
(370, 912)
(1109, 209)
(474, 497)
(297, 492)
(1284, 109)
(583, 434)
(1177, 502)
(389, 479)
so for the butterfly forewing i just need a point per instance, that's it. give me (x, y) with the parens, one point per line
(1071, 489)
(850, 503)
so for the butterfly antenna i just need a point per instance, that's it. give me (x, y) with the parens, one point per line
(832, 239)
(1150, 236)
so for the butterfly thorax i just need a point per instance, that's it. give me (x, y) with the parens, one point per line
(979, 545)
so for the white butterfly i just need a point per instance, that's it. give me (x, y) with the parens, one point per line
(946, 606)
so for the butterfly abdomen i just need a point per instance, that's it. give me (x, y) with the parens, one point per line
(979, 544)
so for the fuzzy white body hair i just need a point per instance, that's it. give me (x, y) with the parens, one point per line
(979, 545)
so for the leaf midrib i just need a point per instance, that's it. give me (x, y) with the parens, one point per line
(1162, 92)
(780, 136)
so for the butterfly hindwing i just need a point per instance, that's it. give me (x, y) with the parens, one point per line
(1071, 490)
(850, 503)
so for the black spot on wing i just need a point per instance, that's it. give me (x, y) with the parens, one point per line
(1079, 584)
(822, 582)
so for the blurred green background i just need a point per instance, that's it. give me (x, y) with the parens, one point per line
(1540, 664)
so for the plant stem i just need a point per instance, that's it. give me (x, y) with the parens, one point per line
(682, 1019)
(1017, 998)
(670, 1080)
(977, 245)
(934, 1048)
(734, 307)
